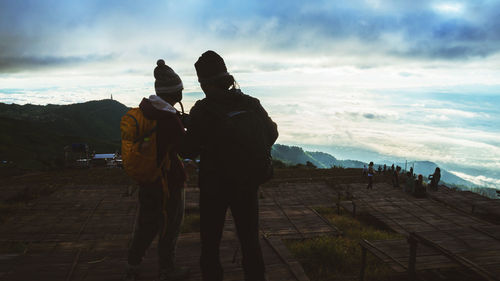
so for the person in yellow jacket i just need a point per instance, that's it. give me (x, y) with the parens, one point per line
(161, 200)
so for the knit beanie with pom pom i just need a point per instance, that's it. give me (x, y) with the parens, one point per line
(167, 81)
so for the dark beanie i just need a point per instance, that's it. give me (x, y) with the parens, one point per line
(167, 81)
(210, 66)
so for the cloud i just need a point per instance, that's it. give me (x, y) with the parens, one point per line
(389, 29)
(15, 64)
(479, 180)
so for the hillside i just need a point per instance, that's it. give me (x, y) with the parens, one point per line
(296, 155)
(33, 136)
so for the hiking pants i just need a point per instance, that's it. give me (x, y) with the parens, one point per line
(370, 182)
(150, 223)
(214, 201)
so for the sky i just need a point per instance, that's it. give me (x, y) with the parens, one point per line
(370, 80)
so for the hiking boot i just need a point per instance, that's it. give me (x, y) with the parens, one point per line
(131, 273)
(177, 273)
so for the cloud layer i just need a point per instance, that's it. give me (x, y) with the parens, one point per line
(47, 33)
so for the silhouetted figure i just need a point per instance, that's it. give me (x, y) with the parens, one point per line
(365, 170)
(410, 183)
(371, 174)
(379, 170)
(211, 135)
(392, 168)
(419, 188)
(411, 172)
(385, 168)
(161, 200)
(395, 177)
(435, 178)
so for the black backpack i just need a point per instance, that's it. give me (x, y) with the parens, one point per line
(243, 143)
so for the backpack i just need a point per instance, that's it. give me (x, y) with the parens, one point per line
(243, 143)
(139, 148)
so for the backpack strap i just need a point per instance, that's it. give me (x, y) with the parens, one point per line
(136, 123)
(146, 134)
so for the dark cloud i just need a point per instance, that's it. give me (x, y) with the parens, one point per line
(38, 32)
(28, 63)
(427, 33)
(356, 116)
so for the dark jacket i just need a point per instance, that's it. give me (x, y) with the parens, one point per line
(201, 134)
(170, 133)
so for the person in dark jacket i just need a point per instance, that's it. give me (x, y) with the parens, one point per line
(218, 190)
(419, 190)
(371, 174)
(152, 207)
(435, 178)
(395, 177)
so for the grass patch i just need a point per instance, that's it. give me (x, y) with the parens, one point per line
(339, 258)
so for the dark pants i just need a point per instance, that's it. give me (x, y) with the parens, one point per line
(214, 200)
(151, 221)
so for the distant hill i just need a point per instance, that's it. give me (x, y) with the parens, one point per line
(34, 136)
(293, 155)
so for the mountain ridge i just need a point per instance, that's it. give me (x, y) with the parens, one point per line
(33, 136)
(293, 155)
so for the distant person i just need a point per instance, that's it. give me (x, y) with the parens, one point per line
(395, 177)
(419, 187)
(410, 183)
(411, 172)
(371, 174)
(365, 170)
(233, 135)
(385, 169)
(151, 136)
(392, 168)
(379, 169)
(435, 178)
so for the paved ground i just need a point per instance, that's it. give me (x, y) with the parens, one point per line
(82, 233)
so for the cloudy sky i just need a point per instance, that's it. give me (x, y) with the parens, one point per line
(415, 80)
